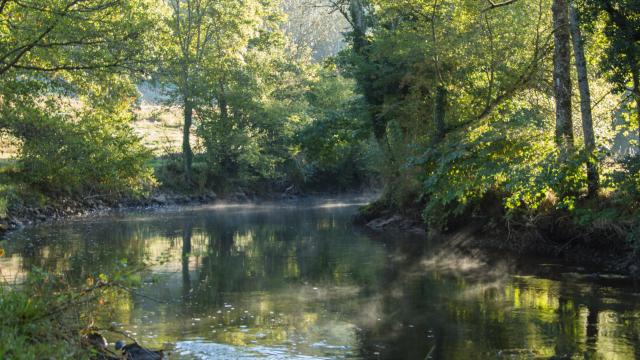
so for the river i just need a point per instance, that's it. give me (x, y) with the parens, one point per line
(287, 281)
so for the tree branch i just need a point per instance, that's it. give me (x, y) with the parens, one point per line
(493, 4)
(26, 48)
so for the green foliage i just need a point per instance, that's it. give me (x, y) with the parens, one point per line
(26, 335)
(618, 21)
(336, 149)
(626, 179)
(509, 157)
(67, 93)
(64, 35)
(90, 156)
(82, 149)
(42, 319)
(48, 315)
(413, 48)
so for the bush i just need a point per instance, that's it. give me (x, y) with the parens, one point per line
(626, 180)
(512, 159)
(94, 154)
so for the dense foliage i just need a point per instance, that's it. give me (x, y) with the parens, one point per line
(244, 77)
(450, 103)
(461, 98)
(67, 94)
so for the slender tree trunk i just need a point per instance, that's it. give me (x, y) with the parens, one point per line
(187, 154)
(562, 76)
(222, 103)
(585, 103)
(440, 99)
(635, 74)
(440, 102)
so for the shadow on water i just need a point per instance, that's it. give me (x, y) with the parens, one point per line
(300, 282)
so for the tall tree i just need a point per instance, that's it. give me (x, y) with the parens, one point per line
(562, 75)
(440, 91)
(67, 73)
(585, 102)
(192, 23)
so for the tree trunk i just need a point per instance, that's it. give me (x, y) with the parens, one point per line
(635, 74)
(562, 76)
(439, 111)
(356, 10)
(222, 103)
(585, 103)
(187, 154)
(439, 102)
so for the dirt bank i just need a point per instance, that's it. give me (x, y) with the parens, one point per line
(552, 235)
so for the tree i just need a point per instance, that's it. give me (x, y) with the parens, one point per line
(67, 69)
(211, 41)
(360, 15)
(562, 75)
(193, 24)
(440, 91)
(585, 102)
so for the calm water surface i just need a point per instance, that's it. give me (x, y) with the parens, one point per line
(300, 282)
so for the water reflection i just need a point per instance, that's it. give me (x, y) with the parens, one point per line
(289, 282)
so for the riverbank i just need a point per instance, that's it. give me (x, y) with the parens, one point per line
(69, 208)
(602, 245)
(61, 208)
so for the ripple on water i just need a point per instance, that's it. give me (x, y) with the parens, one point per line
(210, 351)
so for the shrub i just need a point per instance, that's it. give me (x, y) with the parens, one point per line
(512, 158)
(95, 153)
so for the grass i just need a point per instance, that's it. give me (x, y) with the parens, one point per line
(27, 331)
(39, 321)
(48, 316)
(160, 128)
(8, 148)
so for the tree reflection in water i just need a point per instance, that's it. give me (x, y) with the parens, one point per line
(303, 281)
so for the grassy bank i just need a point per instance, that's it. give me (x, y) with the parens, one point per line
(48, 318)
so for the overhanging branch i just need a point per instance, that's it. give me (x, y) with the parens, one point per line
(493, 4)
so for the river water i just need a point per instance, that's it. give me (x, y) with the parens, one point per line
(286, 281)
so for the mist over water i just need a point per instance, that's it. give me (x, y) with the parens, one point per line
(299, 281)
